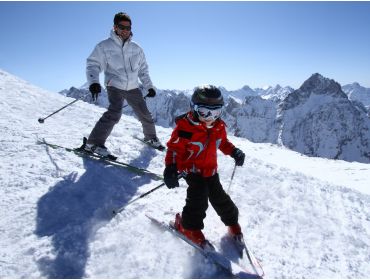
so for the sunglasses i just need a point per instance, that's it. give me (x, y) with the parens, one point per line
(207, 112)
(123, 27)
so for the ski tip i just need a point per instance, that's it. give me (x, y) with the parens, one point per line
(152, 219)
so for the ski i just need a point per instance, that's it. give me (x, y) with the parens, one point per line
(108, 160)
(160, 148)
(210, 253)
(242, 248)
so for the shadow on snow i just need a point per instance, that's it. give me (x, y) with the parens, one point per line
(75, 208)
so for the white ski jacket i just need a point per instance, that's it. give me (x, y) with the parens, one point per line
(122, 64)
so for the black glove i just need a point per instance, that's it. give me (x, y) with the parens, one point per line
(238, 156)
(95, 89)
(151, 93)
(171, 176)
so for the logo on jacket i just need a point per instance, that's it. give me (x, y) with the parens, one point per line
(201, 148)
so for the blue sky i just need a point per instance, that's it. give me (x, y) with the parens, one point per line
(229, 44)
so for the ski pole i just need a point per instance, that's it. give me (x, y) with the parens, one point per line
(119, 210)
(232, 177)
(41, 120)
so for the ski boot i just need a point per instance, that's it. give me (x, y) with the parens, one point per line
(155, 143)
(99, 150)
(196, 236)
(236, 234)
(235, 230)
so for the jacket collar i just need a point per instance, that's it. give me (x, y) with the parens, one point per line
(117, 39)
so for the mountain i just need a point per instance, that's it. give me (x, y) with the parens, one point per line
(238, 95)
(170, 103)
(318, 119)
(303, 217)
(356, 92)
(276, 93)
(167, 106)
(255, 119)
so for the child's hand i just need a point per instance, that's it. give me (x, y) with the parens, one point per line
(171, 176)
(238, 156)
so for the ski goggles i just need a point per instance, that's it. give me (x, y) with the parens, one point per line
(208, 112)
(123, 27)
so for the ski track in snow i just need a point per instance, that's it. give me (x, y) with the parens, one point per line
(303, 217)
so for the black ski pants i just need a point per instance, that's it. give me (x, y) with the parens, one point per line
(199, 191)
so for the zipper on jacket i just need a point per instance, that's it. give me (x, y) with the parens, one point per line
(129, 59)
(124, 65)
(207, 140)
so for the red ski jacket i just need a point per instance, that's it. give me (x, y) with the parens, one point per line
(193, 146)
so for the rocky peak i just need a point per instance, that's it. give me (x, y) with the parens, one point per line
(315, 85)
(246, 88)
(318, 84)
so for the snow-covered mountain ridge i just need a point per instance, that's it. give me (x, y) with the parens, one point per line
(356, 92)
(318, 119)
(304, 217)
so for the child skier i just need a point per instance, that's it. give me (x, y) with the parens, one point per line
(192, 150)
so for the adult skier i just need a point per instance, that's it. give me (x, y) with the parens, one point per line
(192, 150)
(123, 62)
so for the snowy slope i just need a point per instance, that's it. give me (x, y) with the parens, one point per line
(304, 217)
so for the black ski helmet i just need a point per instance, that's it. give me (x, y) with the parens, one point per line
(207, 95)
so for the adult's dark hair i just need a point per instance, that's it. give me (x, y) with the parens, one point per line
(121, 17)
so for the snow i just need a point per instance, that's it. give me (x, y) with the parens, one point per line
(304, 217)
(357, 92)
